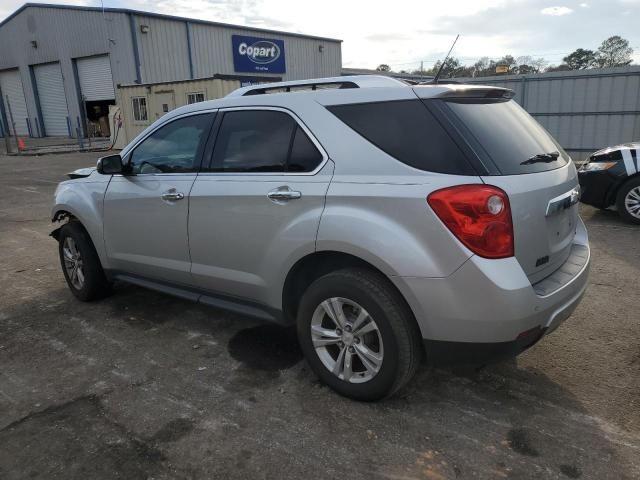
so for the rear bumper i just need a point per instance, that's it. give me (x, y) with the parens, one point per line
(490, 308)
(442, 353)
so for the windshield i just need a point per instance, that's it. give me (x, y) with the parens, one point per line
(513, 139)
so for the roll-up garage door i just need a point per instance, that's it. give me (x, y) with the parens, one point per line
(13, 96)
(53, 102)
(96, 82)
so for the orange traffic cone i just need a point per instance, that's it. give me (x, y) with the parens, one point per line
(21, 145)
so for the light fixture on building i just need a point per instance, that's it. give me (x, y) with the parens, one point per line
(321, 48)
(34, 43)
(144, 28)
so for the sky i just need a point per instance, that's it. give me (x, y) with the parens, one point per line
(404, 33)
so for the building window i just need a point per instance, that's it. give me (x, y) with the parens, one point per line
(139, 109)
(195, 97)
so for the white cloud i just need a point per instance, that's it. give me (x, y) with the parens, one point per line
(584, 5)
(556, 11)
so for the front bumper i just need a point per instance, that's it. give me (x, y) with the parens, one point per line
(596, 188)
(491, 306)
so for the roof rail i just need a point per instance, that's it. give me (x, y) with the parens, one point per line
(354, 81)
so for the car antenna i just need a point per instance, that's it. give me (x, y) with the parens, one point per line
(435, 79)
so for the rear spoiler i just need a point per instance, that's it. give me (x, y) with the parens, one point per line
(479, 92)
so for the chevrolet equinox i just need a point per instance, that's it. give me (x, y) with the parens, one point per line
(387, 222)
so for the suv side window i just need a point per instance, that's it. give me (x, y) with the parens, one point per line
(253, 141)
(262, 141)
(304, 157)
(407, 131)
(173, 148)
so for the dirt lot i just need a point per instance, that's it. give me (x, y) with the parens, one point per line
(141, 385)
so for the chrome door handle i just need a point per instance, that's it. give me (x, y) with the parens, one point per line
(172, 195)
(283, 194)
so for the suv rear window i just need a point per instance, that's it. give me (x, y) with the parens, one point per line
(508, 135)
(407, 131)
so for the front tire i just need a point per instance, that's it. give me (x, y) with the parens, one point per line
(358, 335)
(628, 200)
(80, 263)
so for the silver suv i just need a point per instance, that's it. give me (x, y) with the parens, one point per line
(388, 222)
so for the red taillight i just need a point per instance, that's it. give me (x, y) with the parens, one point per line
(479, 216)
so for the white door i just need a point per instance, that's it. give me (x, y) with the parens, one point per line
(14, 101)
(96, 82)
(53, 102)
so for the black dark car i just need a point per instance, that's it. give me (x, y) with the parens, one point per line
(612, 177)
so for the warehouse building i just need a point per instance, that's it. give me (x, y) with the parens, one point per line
(60, 66)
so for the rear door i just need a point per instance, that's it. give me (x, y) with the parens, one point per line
(532, 168)
(256, 208)
(145, 213)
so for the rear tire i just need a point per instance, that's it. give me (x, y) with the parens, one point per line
(628, 200)
(80, 263)
(371, 351)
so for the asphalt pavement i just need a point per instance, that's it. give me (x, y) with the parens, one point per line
(141, 385)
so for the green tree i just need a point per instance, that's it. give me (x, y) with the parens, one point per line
(484, 67)
(528, 64)
(614, 52)
(383, 67)
(451, 68)
(580, 59)
(510, 63)
(563, 67)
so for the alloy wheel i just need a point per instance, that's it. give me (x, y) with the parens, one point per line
(73, 263)
(632, 202)
(347, 340)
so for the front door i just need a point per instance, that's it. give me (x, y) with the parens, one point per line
(257, 206)
(146, 212)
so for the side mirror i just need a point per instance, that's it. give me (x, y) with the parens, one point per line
(110, 165)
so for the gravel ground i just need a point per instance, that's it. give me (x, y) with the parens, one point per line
(141, 385)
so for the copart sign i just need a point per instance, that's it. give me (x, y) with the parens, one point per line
(252, 54)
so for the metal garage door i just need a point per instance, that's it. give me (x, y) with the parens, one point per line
(11, 86)
(94, 74)
(53, 103)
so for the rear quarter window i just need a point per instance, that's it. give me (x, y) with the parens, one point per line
(408, 132)
(508, 136)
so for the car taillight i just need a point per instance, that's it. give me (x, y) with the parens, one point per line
(479, 216)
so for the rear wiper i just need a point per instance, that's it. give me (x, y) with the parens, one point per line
(542, 158)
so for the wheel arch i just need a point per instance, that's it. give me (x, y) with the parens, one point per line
(314, 265)
(61, 212)
(612, 194)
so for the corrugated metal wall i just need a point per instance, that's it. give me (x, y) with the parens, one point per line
(584, 110)
(212, 53)
(212, 89)
(161, 54)
(164, 54)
